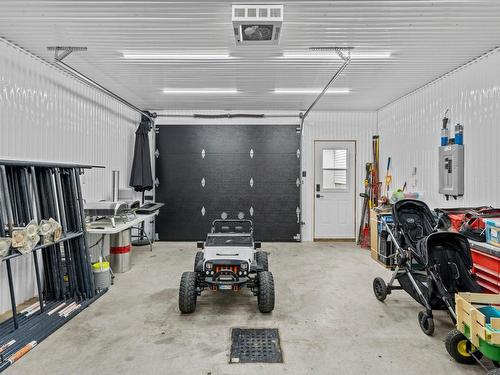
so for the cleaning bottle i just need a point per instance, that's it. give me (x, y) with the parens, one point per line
(445, 132)
(459, 134)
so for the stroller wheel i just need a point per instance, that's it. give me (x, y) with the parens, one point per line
(426, 323)
(460, 348)
(380, 289)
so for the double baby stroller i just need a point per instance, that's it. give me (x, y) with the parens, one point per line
(431, 266)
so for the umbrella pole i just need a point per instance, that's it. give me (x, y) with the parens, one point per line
(141, 239)
(141, 178)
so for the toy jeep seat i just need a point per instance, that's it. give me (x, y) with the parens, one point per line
(232, 226)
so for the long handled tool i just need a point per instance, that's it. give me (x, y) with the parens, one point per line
(364, 227)
(375, 183)
(388, 177)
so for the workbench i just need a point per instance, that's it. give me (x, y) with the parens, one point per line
(99, 232)
(105, 227)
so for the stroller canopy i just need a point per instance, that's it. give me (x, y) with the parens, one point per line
(455, 244)
(447, 255)
(414, 220)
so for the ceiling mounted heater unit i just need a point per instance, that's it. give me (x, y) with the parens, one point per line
(257, 24)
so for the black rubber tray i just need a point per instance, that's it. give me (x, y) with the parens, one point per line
(255, 346)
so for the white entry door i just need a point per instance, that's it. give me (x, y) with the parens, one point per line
(334, 189)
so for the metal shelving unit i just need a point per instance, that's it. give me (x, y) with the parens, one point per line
(32, 192)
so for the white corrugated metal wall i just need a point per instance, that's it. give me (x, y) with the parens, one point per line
(410, 132)
(47, 115)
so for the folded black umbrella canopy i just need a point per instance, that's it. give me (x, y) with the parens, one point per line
(141, 176)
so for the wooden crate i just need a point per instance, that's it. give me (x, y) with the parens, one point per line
(469, 316)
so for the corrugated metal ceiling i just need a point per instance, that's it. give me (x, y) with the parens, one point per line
(426, 39)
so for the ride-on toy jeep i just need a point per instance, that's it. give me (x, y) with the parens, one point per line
(229, 261)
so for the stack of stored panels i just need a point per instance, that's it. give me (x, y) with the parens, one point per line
(41, 216)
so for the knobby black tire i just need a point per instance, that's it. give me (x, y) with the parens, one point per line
(187, 293)
(262, 260)
(266, 297)
(197, 259)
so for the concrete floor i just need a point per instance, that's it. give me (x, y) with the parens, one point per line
(329, 322)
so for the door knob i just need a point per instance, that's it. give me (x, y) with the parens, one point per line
(319, 196)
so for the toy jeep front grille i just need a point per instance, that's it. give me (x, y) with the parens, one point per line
(227, 269)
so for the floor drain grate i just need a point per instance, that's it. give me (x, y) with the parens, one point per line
(255, 345)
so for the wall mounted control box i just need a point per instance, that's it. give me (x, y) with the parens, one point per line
(451, 170)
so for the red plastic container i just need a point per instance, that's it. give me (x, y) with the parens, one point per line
(456, 221)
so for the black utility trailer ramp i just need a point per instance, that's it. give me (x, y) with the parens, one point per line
(207, 170)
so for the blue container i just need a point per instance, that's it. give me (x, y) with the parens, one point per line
(386, 218)
(489, 312)
(459, 134)
(492, 231)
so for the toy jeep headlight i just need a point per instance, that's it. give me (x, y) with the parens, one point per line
(208, 266)
(244, 266)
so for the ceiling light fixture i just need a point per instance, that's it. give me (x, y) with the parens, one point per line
(312, 91)
(331, 55)
(200, 91)
(175, 56)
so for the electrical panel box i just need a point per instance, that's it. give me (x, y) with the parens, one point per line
(451, 170)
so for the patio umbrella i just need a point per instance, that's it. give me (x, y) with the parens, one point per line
(141, 176)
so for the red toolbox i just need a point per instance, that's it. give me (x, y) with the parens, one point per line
(486, 259)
